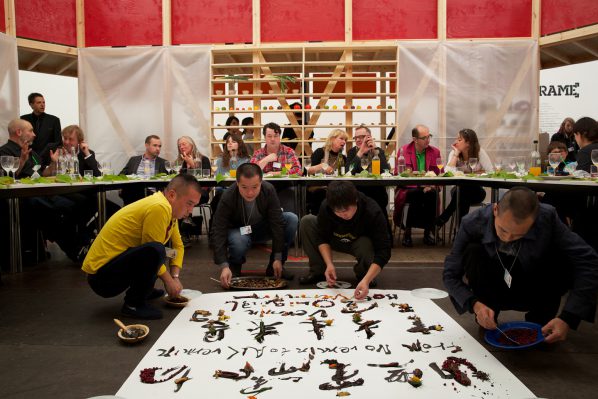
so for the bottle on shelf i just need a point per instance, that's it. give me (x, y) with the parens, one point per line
(400, 162)
(535, 167)
(376, 164)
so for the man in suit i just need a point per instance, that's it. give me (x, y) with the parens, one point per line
(419, 156)
(137, 166)
(45, 126)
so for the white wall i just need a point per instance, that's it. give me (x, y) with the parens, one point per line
(577, 95)
(60, 93)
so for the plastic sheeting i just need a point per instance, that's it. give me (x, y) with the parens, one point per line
(9, 84)
(488, 86)
(127, 94)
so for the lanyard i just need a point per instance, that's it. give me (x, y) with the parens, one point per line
(514, 260)
(246, 222)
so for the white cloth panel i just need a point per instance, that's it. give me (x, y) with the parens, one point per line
(488, 86)
(9, 84)
(129, 93)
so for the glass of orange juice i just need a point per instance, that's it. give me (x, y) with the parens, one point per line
(288, 165)
(233, 173)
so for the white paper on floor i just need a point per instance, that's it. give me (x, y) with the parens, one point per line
(343, 360)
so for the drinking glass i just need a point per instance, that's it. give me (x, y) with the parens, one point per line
(473, 164)
(288, 165)
(324, 167)
(595, 157)
(214, 166)
(554, 159)
(439, 164)
(88, 175)
(35, 175)
(168, 166)
(365, 163)
(307, 165)
(206, 173)
(16, 161)
(6, 163)
(512, 164)
(498, 165)
(176, 166)
(520, 163)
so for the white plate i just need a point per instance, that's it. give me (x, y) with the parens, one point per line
(338, 284)
(429, 293)
(190, 293)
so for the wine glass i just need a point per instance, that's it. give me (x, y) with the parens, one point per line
(168, 166)
(595, 157)
(6, 163)
(214, 166)
(36, 175)
(307, 165)
(512, 164)
(439, 164)
(554, 159)
(176, 166)
(365, 163)
(473, 164)
(16, 162)
(520, 163)
(498, 165)
(324, 167)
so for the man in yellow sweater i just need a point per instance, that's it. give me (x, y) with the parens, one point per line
(129, 252)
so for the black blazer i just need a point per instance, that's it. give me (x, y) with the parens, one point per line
(133, 164)
(46, 128)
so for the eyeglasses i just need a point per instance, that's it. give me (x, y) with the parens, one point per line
(424, 138)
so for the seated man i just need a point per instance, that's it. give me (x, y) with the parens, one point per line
(129, 252)
(419, 156)
(248, 212)
(349, 222)
(272, 158)
(518, 255)
(137, 166)
(365, 146)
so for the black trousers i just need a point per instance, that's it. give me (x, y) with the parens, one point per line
(135, 271)
(537, 294)
(468, 195)
(422, 208)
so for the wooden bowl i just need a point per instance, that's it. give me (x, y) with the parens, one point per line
(129, 340)
(178, 302)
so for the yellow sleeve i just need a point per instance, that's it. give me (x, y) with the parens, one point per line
(177, 243)
(155, 227)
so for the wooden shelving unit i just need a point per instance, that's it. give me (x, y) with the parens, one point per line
(244, 83)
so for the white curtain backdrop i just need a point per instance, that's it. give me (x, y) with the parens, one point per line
(126, 94)
(9, 84)
(490, 87)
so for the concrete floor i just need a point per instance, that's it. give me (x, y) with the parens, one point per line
(57, 338)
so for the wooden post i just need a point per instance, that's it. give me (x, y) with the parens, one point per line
(256, 19)
(80, 17)
(9, 11)
(166, 22)
(348, 21)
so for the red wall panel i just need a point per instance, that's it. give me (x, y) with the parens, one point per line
(307, 20)
(391, 19)
(2, 18)
(123, 22)
(488, 18)
(561, 15)
(208, 21)
(49, 21)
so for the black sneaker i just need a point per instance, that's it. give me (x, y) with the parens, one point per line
(155, 294)
(141, 312)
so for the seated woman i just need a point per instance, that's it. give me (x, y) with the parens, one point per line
(465, 147)
(190, 156)
(235, 150)
(234, 155)
(233, 130)
(326, 160)
(561, 201)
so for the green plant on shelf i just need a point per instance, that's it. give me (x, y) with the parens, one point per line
(283, 81)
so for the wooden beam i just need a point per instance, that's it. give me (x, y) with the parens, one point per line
(66, 66)
(49, 47)
(536, 15)
(552, 52)
(441, 20)
(166, 23)
(9, 17)
(256, 22)
(570, 35)
(80, 15)
(586, 48)
(348, 21)
(39, 58)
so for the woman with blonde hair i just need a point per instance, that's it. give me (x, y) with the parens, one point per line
(326, 159)
(190, 156)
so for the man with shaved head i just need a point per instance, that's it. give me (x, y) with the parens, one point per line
(518, 255)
